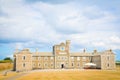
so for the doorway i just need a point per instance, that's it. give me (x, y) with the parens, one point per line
(62, 66)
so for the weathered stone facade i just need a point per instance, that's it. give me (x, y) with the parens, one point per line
(61, 57)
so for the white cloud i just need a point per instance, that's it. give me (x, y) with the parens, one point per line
(98, 44)
(19, 45)
(11, 56)
(33, 24)
(115, 39)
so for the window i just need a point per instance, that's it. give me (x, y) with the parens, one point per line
(23, 64)
(39, 58)
(108, 65)
(45, 58)
(58, 57)
(84, 58)
(66, 64)
(51, 64)
(83, 64)
(39, 64)
(58, 64)
(57, 48)
(34, 58)
(72, 58)
(45, 64)
(72, 64)
(78, 58)
(23, 57)
(78, 64)
(62, 48)
(51, 58)
(108, 57)
(34, 64)
(63, 58)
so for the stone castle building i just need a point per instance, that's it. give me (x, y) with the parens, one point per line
(61, 57)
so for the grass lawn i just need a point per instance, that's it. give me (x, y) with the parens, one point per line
(4, 66)
(73, 75)
(66, 75)
(9, 74)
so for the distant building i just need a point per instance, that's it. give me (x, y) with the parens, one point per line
(61, 57)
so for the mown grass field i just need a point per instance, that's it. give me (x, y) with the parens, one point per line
(74, 75)
(4, 66)
(67, 75)
(9, 75)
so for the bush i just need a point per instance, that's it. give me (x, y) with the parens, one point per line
(5, 61)
(118, 63)
(8, 58)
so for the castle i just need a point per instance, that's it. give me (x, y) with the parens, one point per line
(61, 57)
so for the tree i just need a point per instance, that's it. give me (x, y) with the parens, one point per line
(8, 59)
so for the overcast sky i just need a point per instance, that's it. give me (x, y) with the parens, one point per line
(90, 24)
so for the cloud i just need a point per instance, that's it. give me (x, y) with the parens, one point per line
(115, 39)
(45, 23)
(49, 1)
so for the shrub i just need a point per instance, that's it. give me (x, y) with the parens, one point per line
(5, 61)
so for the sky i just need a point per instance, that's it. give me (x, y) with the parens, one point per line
(89, 24)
